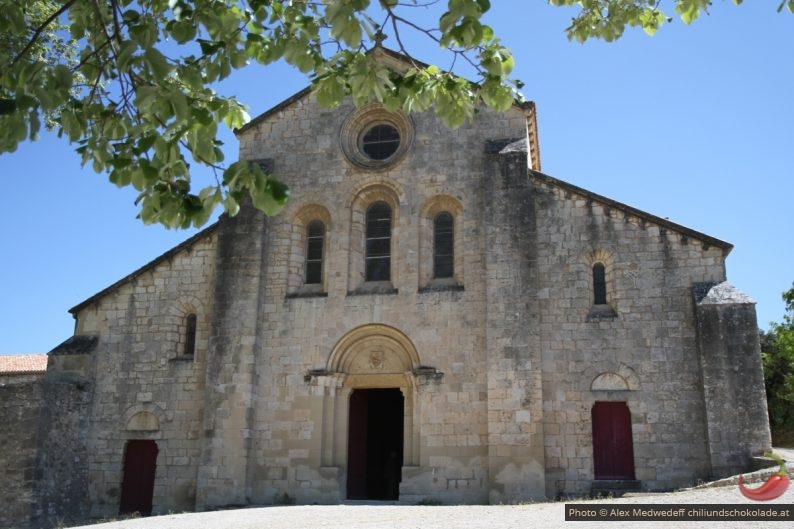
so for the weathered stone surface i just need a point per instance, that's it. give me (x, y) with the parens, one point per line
(76, 344)
(733, 382)
(724, 294)
(62, 479)
(19, 411)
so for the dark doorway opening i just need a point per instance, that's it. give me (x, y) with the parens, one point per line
(375, 444)
(137, 486)
(613, 449)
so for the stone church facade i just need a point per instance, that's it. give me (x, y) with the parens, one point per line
(431, 318)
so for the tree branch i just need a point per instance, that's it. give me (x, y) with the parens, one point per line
(65, 7)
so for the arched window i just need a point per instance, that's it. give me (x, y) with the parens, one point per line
(443, 246)
(599, 285)
(378, 243)
(190, 335)
(315, 238)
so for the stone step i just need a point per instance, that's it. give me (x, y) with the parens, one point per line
(614, 487)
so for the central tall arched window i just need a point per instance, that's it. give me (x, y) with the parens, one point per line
(378, 243)
(599, 284)
(315, 239)
(443, 246)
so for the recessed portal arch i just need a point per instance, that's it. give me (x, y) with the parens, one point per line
(374, 350)
(373, 368)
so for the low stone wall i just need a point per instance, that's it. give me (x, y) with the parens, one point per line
(19, 411)
(43, 461)
(61, 486)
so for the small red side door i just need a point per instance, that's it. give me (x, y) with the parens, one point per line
(137, 486)
(613, 449)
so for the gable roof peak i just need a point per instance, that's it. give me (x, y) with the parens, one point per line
(397, 61)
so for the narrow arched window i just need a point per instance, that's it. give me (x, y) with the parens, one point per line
(378, 243)
(190, 335)
(315, 237)
(443, 246)
(599, 284)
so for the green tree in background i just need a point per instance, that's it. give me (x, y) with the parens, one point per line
(130, 81)
(777, 350)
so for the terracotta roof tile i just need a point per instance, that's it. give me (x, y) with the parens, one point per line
(22, 364)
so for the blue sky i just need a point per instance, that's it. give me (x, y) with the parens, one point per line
(693, 124)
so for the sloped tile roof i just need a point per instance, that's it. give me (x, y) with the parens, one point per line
(22, 364)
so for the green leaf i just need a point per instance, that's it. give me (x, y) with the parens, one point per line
(651, 20)
(688, 9)
(125, 55)
(330, 91)
(496, 95)
(146, 96)
(144, 32)
(62, 76)
(183, 31)
(158, 63)
(201, 115)
(7, 106)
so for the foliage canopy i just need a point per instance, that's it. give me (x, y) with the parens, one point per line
(608, 19)
(777, 349)
(130, 82)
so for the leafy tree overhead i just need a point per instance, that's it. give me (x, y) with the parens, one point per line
(130, 82)
(139, 103)
(777, 348)
(608, 19)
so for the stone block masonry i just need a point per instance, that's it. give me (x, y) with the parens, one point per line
(19, 412)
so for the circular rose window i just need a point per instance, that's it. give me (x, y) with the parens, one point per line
(380, 142)
(373, 138)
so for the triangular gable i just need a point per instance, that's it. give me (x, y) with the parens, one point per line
(399, 61)
(706, 240)
(206, 232)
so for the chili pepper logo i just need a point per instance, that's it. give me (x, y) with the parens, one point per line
(774, 487)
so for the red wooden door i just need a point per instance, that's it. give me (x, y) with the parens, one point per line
(137, 486)
(375, 444)
(613, 449)
(357, 445)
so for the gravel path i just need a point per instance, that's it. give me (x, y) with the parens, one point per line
(541, 515)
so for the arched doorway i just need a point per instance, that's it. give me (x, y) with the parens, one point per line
(137, 486)
(371, 435)
(613, 448)
(375, 444)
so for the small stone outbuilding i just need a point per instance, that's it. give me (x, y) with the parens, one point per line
(431, 318)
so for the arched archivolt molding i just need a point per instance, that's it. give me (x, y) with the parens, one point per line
(310, 212)
(185, 305)
(143, 418)
(374, 349)
(600, 255)
(622, 379)
(306, 198)
(438, 203)
(374, 189)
